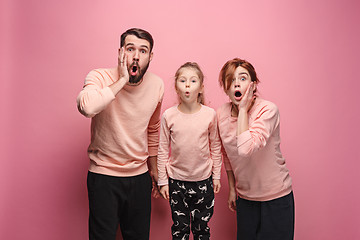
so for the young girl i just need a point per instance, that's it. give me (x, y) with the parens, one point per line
(189, 157)
(259, 183)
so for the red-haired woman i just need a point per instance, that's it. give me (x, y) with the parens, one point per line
(260, 189)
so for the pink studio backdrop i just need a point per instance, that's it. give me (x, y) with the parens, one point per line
(305, 52)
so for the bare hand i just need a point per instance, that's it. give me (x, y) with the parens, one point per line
(164, 191)
(217, 185)
(248, 98)
(122, 65)
(154, 178)
(232, 201)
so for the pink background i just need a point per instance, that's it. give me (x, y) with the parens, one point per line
(305, 52)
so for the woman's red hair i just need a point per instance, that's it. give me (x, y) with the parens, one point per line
(227, 72)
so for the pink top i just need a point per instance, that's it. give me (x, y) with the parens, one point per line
(124, 128)
(194, 143)
(254, 156)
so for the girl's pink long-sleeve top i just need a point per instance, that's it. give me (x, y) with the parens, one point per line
(189, 146)
(124, 128)
(254, 156)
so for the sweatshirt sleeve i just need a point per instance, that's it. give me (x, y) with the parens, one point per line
(225, 159)
(163, 153)
(153, 131)
(260, 130)
(154, 126)
(94, 97)
(215, 148)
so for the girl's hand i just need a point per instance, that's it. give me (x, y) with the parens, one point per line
(248, 98)
(164, 191)
(232, 200)
(122, 65)
(217, 185)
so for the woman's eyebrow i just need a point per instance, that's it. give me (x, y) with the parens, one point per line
(243, 73)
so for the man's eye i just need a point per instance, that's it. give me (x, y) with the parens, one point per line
(130, 49)
(143, 51)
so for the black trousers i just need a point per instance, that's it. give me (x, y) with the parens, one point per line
(268, 220)
(119, 200)
(192, 204)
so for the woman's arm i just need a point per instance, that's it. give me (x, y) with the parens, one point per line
(232, 191)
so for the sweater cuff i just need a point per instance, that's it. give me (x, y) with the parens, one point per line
(163, 182)
(216, 177)
(153, 151)
(227, 166)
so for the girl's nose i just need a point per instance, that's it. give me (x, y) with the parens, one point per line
(187, 84)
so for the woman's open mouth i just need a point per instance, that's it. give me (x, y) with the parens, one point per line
(238, 95)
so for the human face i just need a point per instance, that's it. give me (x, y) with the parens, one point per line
(239, 85)
(138, 55)
(188, 85)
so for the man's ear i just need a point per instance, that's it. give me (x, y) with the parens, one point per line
(151, 56)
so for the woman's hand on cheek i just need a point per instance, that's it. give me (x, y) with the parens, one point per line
(248, 97)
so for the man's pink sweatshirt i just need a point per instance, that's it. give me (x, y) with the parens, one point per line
(124, 128)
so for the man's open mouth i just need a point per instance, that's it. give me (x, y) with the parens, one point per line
(134, 70)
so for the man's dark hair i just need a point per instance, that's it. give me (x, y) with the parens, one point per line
(139, 33)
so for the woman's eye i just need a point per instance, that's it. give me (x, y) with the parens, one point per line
(242, 79)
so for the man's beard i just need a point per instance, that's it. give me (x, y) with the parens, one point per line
(133, 80)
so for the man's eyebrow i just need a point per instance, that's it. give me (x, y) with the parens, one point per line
(141, 46)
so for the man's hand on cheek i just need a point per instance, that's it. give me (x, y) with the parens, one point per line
(122, 65)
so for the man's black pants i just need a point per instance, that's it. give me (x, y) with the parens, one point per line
(119, 200)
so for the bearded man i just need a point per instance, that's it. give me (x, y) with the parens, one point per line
(124, 105)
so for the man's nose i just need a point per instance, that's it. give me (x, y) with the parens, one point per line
(136, 56)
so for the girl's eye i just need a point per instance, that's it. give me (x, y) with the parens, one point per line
(181, 80)
(193, 81)
(233, 79)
